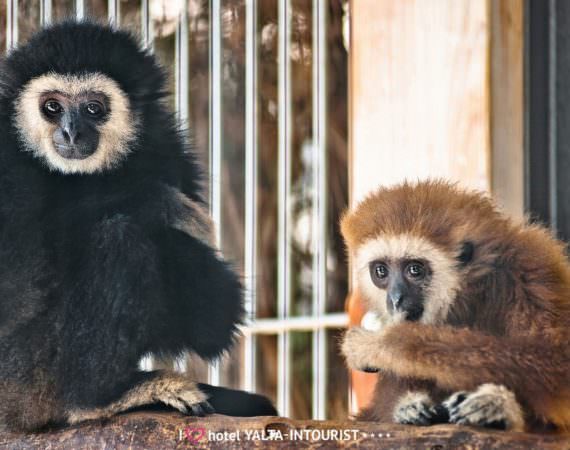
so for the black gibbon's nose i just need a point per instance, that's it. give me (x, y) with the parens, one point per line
(71, 127)
(70, 135)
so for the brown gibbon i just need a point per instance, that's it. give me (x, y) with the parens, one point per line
(474, 306)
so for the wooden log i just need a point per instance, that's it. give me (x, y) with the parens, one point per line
(157, 430)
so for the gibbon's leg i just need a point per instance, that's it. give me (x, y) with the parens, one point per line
(390, 400)
(112, 300)
(463, 359)
(490, 406)
(203, 297)
(170, 389)
(109, 297)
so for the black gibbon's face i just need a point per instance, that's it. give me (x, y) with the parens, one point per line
(405, 281)
(76, 120)
(76, 124)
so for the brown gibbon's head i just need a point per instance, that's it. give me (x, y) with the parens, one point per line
(414, 244)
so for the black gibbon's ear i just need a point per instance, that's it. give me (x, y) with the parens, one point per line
(466, 254)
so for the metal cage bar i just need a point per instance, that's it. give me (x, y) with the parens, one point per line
(284, 193)
(45, 12)
(114, 11)
(147, 362)
(320, 199)
(181, 98)
(11, 24)
(182, 68)
(251, 174)
(79, 9)
(297, 323)
(146, 24)
(215, 136)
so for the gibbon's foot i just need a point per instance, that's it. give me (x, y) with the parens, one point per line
(231, 402)
(490, 406)
(417, 408)
(167, 388)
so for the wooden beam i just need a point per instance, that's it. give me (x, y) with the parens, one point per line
(507, 110)
(419, 92)
(175, 431)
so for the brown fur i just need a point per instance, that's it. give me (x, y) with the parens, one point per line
(390, 388)
(510, 321)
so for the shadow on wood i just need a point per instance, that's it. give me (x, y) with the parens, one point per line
(144, 430)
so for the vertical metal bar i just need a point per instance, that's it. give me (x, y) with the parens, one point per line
(250, 248)
(181, 97)
(182, 67)
(45, 12)
(146, 24)
(215, 135)
(114, 11)
(552, 115)
(284, 169)
(147, 362)
(11, 24)
(79, 9)
(319, 204)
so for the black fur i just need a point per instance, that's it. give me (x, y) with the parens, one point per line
(467, 253)
(238, 403)
(92, 273)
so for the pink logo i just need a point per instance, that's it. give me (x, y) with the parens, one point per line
(194, 435)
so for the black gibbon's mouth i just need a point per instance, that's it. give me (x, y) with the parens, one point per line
(71, 152)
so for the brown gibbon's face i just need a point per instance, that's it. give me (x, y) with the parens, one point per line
(406, 277)
(405, 281)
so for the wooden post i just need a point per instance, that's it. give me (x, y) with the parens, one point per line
(436, 90)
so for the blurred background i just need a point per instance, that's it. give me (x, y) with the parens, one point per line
(298, 108)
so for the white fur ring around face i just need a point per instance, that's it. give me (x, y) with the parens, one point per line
(371, 321)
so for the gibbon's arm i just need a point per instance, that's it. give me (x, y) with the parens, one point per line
(463, 359)
(203, 296)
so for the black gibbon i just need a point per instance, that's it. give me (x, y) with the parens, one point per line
(105, 241)
(475, 310)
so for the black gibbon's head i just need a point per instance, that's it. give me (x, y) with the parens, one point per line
(413, 245)
(78, 94)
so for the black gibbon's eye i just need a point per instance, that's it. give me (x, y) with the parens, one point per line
(379, 270)
(416, 270)
(53, 107)
(94, 109)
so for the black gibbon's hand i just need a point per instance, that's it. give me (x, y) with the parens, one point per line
(203, 295)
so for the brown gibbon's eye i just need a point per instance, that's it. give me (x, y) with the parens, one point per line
(416, 270)
(52, 107)
(379, 271)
